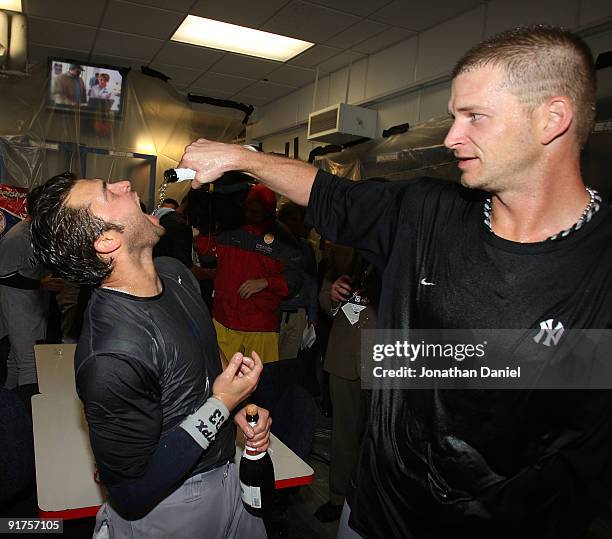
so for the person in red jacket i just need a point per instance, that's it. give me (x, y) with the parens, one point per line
(257, 267)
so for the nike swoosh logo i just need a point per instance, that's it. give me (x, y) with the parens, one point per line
(425, 283)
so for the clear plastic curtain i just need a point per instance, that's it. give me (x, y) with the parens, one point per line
(418, 152)
(37, 140)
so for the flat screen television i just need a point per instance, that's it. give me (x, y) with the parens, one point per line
(86, 87)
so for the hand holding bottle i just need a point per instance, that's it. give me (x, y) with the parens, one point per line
(257, 479)
(257, 437)
(210, 160)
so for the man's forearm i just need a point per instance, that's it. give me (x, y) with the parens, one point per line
(176, 454)
(288, 177)
(211, 160)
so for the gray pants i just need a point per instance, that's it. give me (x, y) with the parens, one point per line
(344, 530)
(24, 315)
(207, 505)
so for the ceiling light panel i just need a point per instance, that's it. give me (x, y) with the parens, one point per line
(11, 5)
(239, 39)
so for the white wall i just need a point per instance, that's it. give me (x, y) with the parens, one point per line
(410, 81)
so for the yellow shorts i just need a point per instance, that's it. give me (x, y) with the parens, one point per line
(264, 343)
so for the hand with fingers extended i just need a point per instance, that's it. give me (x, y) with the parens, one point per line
(257, 437)
(341, 289)
(238, 380)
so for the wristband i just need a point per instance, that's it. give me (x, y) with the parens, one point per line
(205, 422)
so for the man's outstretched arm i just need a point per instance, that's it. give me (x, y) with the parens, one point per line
(210, 160)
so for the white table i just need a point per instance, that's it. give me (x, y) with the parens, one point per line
(65, 465)
(55, 368)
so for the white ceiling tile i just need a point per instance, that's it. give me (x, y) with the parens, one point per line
(207, 92)
(60, 34)
(241, 12)
(356, 7)
(218, 81)
(418, 16)
(39, 54)
(136, 19)
(180, 54)
(502, 15)
(381, 41)
(86, 12)
(244, 66)
(180, 76)
(118, 44)
(292, 76)
(308, 22)
(175, 5)
(361, 31)
(268, 90)
(118, 61)
(314, 56)
(252, 100)
(343, 59)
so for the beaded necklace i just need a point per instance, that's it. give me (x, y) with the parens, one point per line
(591, 209)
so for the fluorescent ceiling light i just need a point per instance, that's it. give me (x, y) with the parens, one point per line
(11, 5)
(233, 38)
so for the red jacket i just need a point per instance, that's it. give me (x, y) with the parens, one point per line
(252, 253)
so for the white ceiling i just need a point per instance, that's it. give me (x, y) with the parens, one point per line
(137, 32)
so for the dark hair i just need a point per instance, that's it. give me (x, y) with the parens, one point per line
(63, 237)
(541, 62)
(171, 201)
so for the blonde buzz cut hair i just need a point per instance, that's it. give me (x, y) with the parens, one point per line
(541, 62)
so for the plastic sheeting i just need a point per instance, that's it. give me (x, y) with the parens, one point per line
(421, 152)
(38, 141)
(418, 152)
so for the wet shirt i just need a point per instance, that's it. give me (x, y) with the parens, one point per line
(142, 365)
(454, 463)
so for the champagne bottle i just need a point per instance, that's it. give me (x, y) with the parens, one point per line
(173, 175)
(257, 484)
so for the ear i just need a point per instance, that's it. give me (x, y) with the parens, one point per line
(108, 242)
(557, 117)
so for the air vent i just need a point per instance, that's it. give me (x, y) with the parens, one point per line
(342, 123)
(324, 121)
